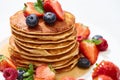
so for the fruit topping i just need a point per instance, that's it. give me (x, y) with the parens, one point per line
(83, 63)
(89, 50)
(6, 63)
(83, 32)
(10, 74)
(55, 7)
(79, 38)
(97, 37)
(25, 73)
(49, 17)
(102, 77)
(43, 72)
(28, 75)
(32, 20)
(103, 45)
(34, 8)
(107, 68)
(20, 74)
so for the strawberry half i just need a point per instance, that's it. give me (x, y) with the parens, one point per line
(6, 63)
(89, 50)
(55, 7)
(43, 72)
(30, 9)
(83, 32)
(107, 68)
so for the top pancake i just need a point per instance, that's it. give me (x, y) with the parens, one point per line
(17, 21)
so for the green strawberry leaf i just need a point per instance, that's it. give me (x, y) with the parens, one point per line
(31, 67)
(89, 41)
(39, 6)
(24, 7)
(2, 57)
(29, 78)
(51, 68)
(29, 72)
(21, 68)
(97, 42)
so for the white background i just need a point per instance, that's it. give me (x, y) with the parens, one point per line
(102, 17)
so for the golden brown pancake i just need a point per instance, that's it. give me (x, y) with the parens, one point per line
(17, 21)
(56, 65)
(27, 62)
(54, 44)
(45, 46)
(44, 40)
(45, 37)
(39, 52)
(71, 53)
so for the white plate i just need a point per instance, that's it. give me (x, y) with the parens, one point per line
(101, 16)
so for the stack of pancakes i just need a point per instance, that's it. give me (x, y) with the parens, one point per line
(53, 44)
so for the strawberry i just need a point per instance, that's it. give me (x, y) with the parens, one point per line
(43, 72)
(68, 78)
(55, 7)
(82, 31)
(107, 68)
(102, 77)
(36, 78)
(89, 50)
(31, 9)
(6, 63)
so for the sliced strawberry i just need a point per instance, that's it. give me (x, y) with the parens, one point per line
(89, 50)
(43, 72)
(68, 78)
(30, 9)
(6, 63)
(107, 68)
(82, 31)
(55, 7)
(3, 65)
(36, 78)
(102, 77)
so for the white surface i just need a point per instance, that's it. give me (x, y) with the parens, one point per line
(102, 17)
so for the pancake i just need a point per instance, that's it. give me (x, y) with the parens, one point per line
(56, 65)
(17, 21)
(71, 53)
(65, 69)
(45, 37)
(54, 44)
(41, 41)
(45, 46)
(39, 52)
(68, 68)
(36, 63)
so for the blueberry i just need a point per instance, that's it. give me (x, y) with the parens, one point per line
(49, 17)
(83, 63)
(32, 20)
(97, 37)
(20, 74)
